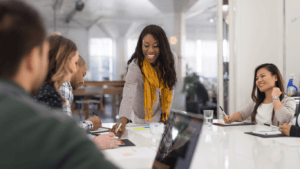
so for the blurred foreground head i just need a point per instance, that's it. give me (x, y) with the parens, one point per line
(22, 44)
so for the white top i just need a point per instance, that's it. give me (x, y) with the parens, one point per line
(264, 113)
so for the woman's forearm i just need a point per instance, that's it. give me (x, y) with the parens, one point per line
(277, 104)
(237, 116)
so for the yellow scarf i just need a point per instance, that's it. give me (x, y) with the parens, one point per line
(151, 82)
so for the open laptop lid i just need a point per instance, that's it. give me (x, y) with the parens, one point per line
(179, 141)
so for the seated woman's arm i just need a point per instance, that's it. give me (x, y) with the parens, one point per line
(285, 110)
(240, 115)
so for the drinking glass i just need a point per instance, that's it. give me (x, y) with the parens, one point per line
(208, 116)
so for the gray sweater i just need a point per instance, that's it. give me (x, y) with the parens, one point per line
(282, 115)
(133, 93)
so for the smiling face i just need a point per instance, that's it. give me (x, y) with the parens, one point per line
(150, 49)
(265, 80)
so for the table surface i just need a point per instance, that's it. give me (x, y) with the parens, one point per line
(218, 147)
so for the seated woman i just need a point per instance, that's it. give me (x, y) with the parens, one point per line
(63, 61)
(151, 77)
(270, 104)
(63, 58)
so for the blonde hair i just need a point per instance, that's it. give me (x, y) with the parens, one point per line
(62, 50)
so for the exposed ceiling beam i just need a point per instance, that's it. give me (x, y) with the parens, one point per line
(100, 26)
(57, 4)
(199, 12)
(94, 22)
(163, 6)
(182, 6)
(133, 27)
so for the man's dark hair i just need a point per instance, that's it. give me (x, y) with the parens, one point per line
(21, 29)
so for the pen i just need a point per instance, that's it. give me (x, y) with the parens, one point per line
(224, 112)
(118, 128)
(270, 125)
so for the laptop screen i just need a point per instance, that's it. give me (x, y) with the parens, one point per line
(179, 141)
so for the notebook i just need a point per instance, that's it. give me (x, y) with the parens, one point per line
(233, 124)
(266, 134)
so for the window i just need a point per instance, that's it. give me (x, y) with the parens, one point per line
(207, 58)
(101, 58)
(201, 57)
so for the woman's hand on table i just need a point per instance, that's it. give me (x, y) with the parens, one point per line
(285, 129)
(122, 129)
(106, 141)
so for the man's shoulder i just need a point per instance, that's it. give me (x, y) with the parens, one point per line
(25, 106)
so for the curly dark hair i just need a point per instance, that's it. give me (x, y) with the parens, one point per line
(165, 57)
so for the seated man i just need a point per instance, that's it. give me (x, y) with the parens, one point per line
(34, 136)
(66, 90)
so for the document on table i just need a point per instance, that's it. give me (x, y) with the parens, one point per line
(131, 152)
(100, 130)
(234, 123)
(137, 125)
(269, 133)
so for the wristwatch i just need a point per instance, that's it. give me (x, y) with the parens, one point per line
(275, 98)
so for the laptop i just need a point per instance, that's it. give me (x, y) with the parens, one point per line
(179, 141)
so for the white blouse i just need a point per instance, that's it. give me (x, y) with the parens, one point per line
(264, 113)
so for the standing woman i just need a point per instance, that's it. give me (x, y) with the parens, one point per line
(270, 104)
(149, 82)
(63, 58)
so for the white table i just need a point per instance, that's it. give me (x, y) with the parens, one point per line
(219, 147)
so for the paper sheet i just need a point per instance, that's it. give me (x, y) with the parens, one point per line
(137, 125)
(99, 130)
(131, 152)
(267, 132)
(234, 123)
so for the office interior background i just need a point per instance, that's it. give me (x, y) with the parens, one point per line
(218, 43)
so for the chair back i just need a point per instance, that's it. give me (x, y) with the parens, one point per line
(297, 100)
(93, 90)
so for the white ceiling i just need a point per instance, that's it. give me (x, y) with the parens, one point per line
(124, 13)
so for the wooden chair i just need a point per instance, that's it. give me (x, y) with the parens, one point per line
(89, 91)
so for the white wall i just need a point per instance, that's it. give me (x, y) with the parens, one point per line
(293, 40)
(258, 40)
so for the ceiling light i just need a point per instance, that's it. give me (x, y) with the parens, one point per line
(211, 20)
(225, 8)
(173, 40)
